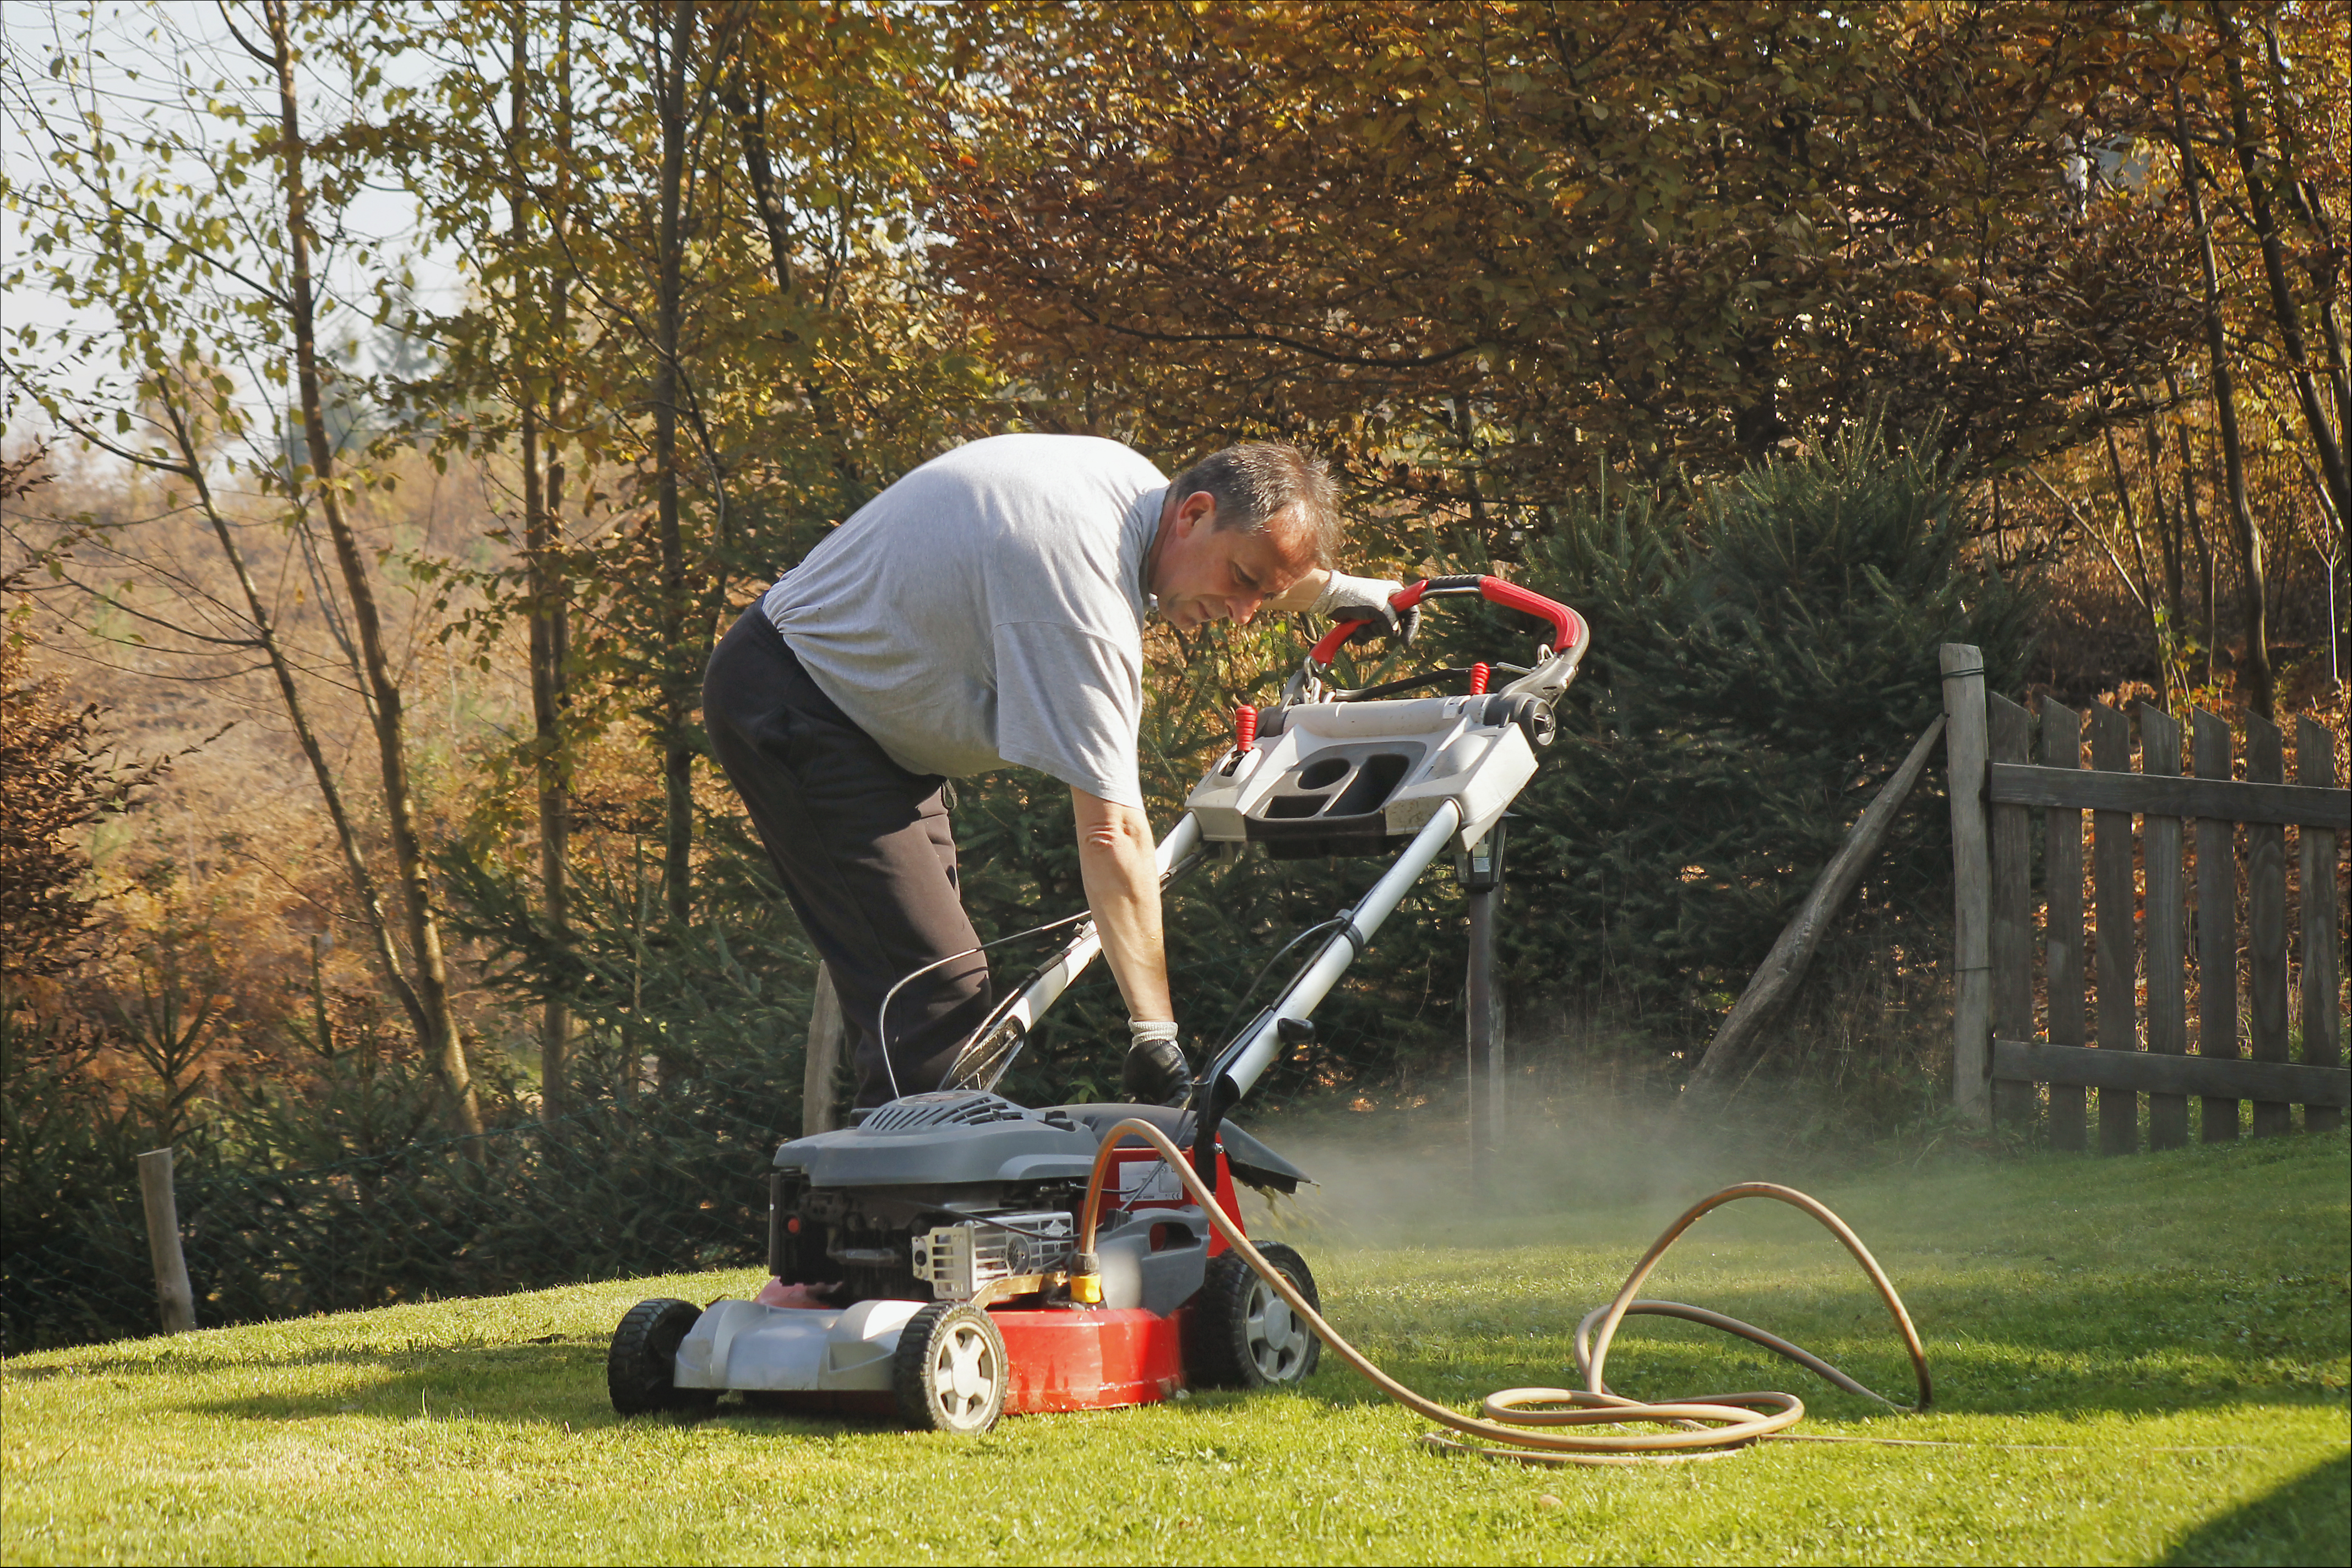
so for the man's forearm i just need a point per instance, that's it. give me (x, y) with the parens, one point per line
(1299, 595)
(1121, 875)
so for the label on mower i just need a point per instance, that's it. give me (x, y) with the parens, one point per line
(1148, 1180)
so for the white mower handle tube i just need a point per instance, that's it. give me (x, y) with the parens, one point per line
(1182, 840)
(1315, 982)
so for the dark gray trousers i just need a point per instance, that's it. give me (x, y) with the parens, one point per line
(865, 851)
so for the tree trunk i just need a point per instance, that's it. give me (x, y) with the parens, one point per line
(347, 838)
(2303, 197)
(548, 592)
(750, 117)
(2261, 694)
(677, 699)
(444, 1046)
(2195, 519)
(749, 110)
(2168, 526)
(2152, 600)
(555, 1063)
(2283, 309)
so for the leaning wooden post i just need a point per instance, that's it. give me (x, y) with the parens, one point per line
(172, 1292)
(1966, 741)
(824, 1033)
(1775, 980)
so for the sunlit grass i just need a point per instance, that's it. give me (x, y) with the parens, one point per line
(2168, 1334)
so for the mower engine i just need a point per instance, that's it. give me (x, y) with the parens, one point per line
(962, 1196)
(978, 1255)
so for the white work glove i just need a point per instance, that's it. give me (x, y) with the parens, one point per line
(1347, 598)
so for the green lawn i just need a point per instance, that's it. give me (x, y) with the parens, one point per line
(2170, 1328)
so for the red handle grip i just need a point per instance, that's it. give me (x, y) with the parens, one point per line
(1568, 627)
(1511, 596)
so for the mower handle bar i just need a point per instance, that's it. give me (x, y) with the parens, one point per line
(1568, 627)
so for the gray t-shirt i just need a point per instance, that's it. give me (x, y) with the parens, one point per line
(988, 609)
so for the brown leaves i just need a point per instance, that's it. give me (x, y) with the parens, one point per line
(1681, 229)
(54, 780)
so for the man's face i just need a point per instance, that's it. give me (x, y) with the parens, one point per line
(1203, 572)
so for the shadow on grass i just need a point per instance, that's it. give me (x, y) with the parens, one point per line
(515, 1386)
(2306, 1520)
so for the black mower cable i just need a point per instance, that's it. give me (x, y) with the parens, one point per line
(1390, 688)
(1233, 1016)
(882, 1016)
(987, 1028)
(1524, 1424)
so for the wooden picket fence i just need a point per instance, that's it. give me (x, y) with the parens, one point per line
(2116, 1008)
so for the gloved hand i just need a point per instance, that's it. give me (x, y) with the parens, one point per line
(1347, 598)
(1156, 1072)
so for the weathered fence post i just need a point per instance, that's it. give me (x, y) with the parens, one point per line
(1776, 979)
(2113, 945)
(1966, 754)
(172, 1292)
(2314, 765)
(825, 1030)
(2062, 833)
(2217, 921)
(2010, 833)
(1483, 1006)
(2266, 924)
(2166, 923)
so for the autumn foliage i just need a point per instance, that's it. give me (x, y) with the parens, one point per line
(427, 384)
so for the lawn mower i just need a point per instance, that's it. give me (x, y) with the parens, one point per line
(993, 1259)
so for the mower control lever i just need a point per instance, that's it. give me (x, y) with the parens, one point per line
(1568, 627)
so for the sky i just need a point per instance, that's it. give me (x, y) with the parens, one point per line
(134, 59)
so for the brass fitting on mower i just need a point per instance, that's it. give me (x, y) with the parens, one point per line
(1086, 1279)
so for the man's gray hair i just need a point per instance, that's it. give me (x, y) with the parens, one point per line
(1255, 479)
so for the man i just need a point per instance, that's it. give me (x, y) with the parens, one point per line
(988, 610)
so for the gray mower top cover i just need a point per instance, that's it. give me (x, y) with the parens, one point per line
(956, 1137)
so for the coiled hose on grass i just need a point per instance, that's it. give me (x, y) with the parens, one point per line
(1540, 1425)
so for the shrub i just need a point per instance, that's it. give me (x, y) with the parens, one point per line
(1764, 655)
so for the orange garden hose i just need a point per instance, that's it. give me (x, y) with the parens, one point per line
(1539, 1425)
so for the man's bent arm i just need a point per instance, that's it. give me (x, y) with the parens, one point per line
(1121, 873)
(1299, 595)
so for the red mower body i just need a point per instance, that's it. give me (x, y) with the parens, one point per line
(1089, 1358)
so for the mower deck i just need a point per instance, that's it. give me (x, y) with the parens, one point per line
(1085, 1358)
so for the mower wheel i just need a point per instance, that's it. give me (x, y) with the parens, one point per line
(1240, 1334)
(644, 1353)
(950, 1374)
